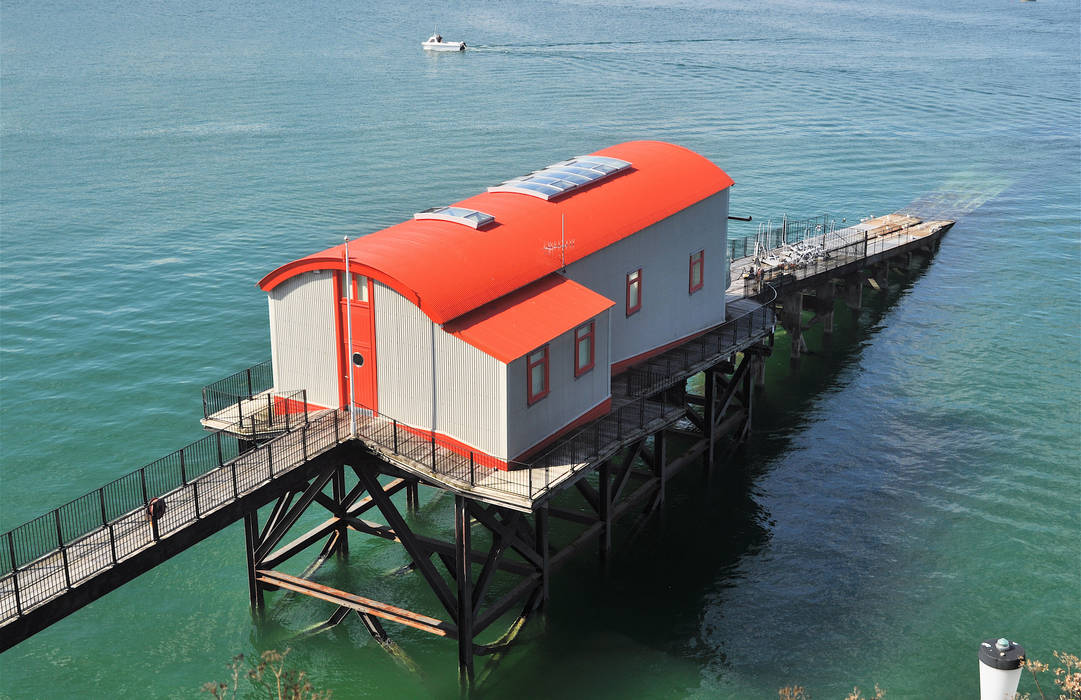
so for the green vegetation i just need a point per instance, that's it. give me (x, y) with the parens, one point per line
(269, 679)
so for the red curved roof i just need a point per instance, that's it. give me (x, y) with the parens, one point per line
(448, 269)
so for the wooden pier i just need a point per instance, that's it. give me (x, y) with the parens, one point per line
(352, 469)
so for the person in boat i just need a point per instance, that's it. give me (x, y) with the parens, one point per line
(438, 38)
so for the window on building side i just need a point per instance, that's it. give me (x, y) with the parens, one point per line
(537, 374)
(359, 289)
(696, 278)
(634, 291)
(583, 349)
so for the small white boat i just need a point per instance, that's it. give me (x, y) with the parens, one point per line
(435, 43)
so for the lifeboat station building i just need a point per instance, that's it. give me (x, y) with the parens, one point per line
(494, 325)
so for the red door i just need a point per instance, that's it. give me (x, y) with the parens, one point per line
(359, 355)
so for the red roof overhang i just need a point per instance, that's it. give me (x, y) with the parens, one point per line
(527, 318)
(448, 269)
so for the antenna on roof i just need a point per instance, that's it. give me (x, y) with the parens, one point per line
(563, 241)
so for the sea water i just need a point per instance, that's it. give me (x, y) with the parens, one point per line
(912, 490)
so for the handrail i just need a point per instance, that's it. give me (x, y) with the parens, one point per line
(56, 551)
(246, 383)
(75, 519)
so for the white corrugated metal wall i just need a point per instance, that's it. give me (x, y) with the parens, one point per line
(569, 396)
(663, 252)
(432, 380)
(302, 339)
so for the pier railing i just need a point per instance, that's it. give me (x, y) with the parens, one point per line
(55, 551)
(784, 233)
(245, 384)
(819, 254)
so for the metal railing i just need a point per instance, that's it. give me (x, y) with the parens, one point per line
(53, 552)
(693, 356)
(816, 255)
(245, 384)
(263, 414)
(784, 233)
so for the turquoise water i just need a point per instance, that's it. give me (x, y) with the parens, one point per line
(914, 489)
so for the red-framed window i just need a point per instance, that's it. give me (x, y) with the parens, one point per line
(634, 291)
(359, 283)
(696, 277)
(536, 374)
(583, 349)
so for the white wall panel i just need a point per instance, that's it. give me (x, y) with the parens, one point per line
(302, 339)
(663, 252)
(433, 380)
(568, 397)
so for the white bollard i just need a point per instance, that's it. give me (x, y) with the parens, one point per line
(1000, 668)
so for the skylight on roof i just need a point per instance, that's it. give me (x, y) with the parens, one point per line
(457, 215)
(564, 176)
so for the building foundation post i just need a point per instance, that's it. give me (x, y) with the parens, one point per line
(251, 542)
(464, 575)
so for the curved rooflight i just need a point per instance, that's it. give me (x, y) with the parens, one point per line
(457, 215)
(564, 176)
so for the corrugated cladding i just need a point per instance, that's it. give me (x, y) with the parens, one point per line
(435, 381)
(669, 312)
(569, 397)
(302, 338)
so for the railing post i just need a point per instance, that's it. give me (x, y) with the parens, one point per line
(195, 495)
(433, 450)
(221, 462)
(240, 415)
(142, 480)
(304, 442)
(183, 471)
(250, 392)
(14, 575)
(395, 424)
(471, 466)
(236, 489)
(304, 395)
(205, 413)
(269, 462)
(337, 435)
(105, 523)
(63, 549)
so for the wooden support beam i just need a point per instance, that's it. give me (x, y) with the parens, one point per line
(589, 494)
(289, 519)
(438, 547)
(540, 515)
(605, 501)
(571, 515)
(405, 536)
(523, 546)
(355, 602)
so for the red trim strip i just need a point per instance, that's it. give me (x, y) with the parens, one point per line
(623, 365)
(283, 405)
(458, 447)
(601, 409)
